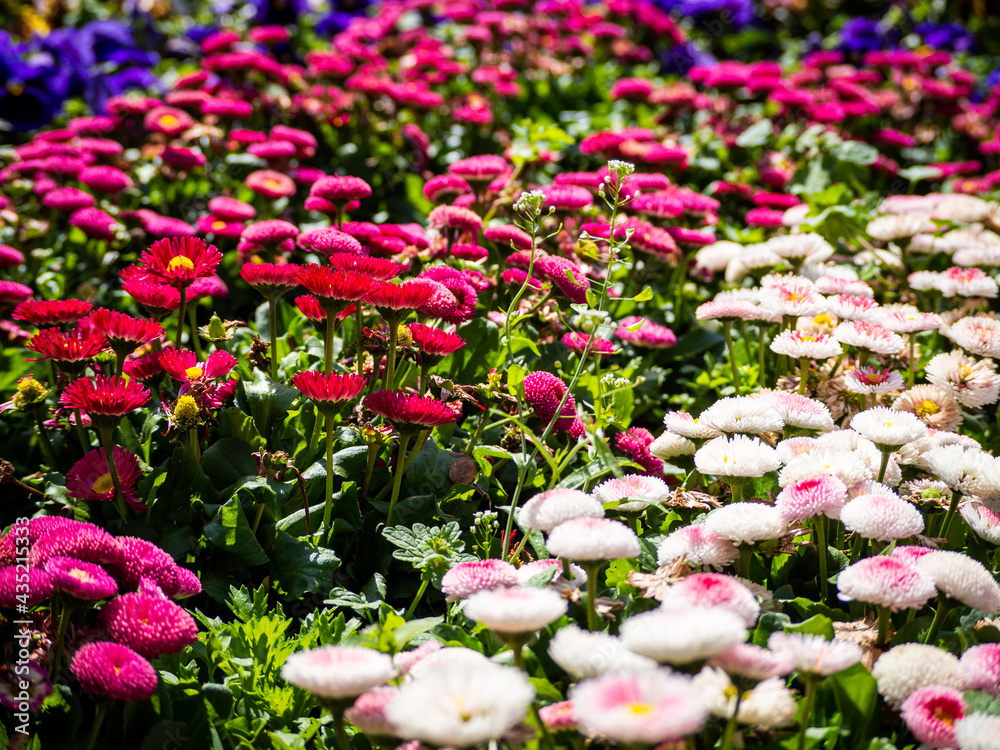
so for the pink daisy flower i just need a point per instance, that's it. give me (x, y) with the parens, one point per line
(89, 480)
(931, 712)
(467, 578)
(114, 671)
(149, 623)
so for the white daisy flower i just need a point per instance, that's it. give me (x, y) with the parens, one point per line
(736, 456)
(977, 335)
(683, 634)
(338, 672)
(805, 345)
(683, 424)
(908, 667)
(746, 523)
(743, 415)
(962, 578)
(669, 445)
(768, 704)
(548, 509)
(871, 337)
(813, 654)
(583, 654)
(888, 428)
(517, 610)
(695, 544)
(881, 517)
(461, 705)
(592, 539)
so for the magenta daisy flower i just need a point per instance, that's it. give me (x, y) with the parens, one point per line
(70, 350)
(114, 671)
(409, 413)
(12, 583)
(335, 288)
(181, 260)
(124, 333)
(543, 391)
(271, 280)
(380, 269)
(159, 300)
(149, 623)
(51, 312)
(930, 714)
(434, 341)
(270, 184)
(12, 293)
(89, 479)
(84, 581)
(340, 189)
(599, 347)
(329, 390)
(106, 400)
(184, 365)
(645, 333)
(485, 168)
(467, 578)
(330, 241)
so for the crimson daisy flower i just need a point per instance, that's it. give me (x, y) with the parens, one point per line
(337, 189)
(329, 390)
(334, 288)
(181, 260)
(329, 241)
(123, 332)
(80, 580)
(144, 367)
(89, 479)
(51, 312)
(270, 279)
(159, 300)
(409, 413)
(115, 671)
(71, 350)
(380, 269)
(434, 341)
(392, 299)
(184, 365)
(578, 343)
(104, 398)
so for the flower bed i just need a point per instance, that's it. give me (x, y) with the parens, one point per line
(511, 373)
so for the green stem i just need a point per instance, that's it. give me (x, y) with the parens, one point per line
(328, 502)
(109, 456)
(119, 363)
(180, 315)
(940, 613)
(746, 557)
(761, 350)
(257, 517)
(373, 451)
(592, 620)
(64, 616)
(803, 374)
(883, 627)
(810, 681)
(193, 327)
(43, 437)
(331, 326)
(195, 447)
(272, 315)
(416, 599)
(102, 707)
(819, 530)
(390, 369)
(81, 433)
(343, 741)
(949, 516)
(882, 466)
(727, 735)
(912, 369)
(742, 325)
(836, 366)
(397, 478)
(359, 359)
(736, 484)
(727, 327)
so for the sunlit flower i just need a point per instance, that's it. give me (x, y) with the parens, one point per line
(813, 654)
(114, 671)
(88, 479)
(338, 672)
(930, 714)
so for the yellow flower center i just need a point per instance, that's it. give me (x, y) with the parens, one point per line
(218, 225)
(964, 371)
(180, 261)
(403, 336)
(823, 320)
(186, 408)
(193, 372)
(169, 121)
(103, 484)
(272, 184)
(640, 709)
(927, 408)
(80, 575)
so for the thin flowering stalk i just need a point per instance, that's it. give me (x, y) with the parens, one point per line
(912, 375)
(272, 317)
(359, 359)
(727, 328)
(807, 707)
(331, 327)
(397, 475)
(180, 315)
(615, 204)
(803, 374)
(108, 444)
(328, 498)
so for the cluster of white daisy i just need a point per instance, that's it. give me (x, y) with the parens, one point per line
(846, 461)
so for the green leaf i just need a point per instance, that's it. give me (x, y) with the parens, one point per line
(301, 568)
(227, 461)
(856, 695)
(756, 135)
(230, 530)
(265, 401)
(815, 625)
(644, 296)
(919, 172)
